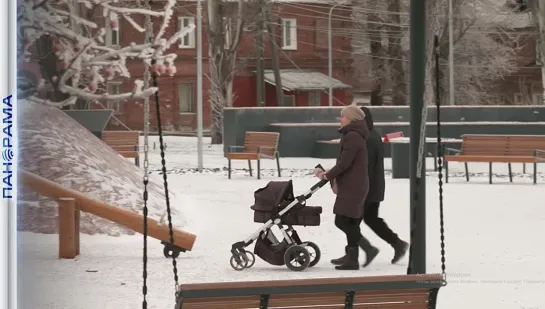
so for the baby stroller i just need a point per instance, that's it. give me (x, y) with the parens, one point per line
(275, 204)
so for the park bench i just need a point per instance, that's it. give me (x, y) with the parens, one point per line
(498, 149)
(385, 292)
(126, 143)
(389, 136)
(257, 145)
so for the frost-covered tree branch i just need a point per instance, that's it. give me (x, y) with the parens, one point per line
(85, 59)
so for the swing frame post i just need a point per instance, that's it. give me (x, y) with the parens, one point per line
(417, 184)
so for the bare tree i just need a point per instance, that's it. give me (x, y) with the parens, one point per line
(485, 47)
(225, 28)
(395, 52)
(537, 10)
(71, 49)
(370, 40)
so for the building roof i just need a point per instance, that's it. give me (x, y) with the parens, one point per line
(303, 80)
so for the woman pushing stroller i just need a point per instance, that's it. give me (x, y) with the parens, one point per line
(350, 178)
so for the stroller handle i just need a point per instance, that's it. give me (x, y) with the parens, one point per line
(317, 186)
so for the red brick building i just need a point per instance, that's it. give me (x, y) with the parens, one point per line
(301, 31)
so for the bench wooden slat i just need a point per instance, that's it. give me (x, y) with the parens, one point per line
(128, 154)
(312, 282)
(493, 159)
(243, 156)
(120, 141)
(124, 147)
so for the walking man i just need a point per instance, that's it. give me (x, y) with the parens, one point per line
(377, 184)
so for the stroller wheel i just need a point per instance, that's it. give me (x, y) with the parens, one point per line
(297, 258)
(239, 261)
(251, 258)
(314, 252)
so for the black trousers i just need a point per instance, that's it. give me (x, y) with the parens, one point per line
(350, 227)
(377, 224)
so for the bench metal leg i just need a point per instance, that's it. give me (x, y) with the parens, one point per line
(349, 300)
(510, 172)
(524, 168)
(264, 301)
(229, 168)
(137, 158)
(278, 163)
(535, 173)
(446, 171)
(490, 172)
(432, 298)
(258, 169)
(250, 167)
(467, 171)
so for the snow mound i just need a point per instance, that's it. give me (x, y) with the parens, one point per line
(56, 147)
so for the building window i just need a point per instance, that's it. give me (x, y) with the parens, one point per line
(114, 88)
(112, 31)
(288, 100)
(185, 97)
(320, 33)
(289, 34)
(188, 40)
(314, 98)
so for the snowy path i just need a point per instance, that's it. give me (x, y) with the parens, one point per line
(494, 242)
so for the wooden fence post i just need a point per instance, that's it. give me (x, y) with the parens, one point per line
(77, 224)
(68, 228)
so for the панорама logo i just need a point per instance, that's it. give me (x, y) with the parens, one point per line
(7, 147)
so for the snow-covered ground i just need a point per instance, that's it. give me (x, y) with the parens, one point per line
(494, 238)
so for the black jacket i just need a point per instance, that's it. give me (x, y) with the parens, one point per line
(375, 152)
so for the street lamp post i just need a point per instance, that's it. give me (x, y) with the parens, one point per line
(330, 57)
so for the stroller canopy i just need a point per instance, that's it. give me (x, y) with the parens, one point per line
(269, 197)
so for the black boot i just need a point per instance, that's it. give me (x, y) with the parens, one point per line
(340, 260)
(370, 251)
(400, 248)
(351, 262)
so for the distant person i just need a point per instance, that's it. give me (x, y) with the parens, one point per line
(377, 184)
(350, 186)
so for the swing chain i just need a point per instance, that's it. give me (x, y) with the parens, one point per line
(165, 181)
(440, 153)
(146, 163)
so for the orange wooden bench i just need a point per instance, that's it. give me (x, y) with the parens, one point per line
(498, 149)
(257, 145)
(389, 136)
(385, 292)
(124, 142)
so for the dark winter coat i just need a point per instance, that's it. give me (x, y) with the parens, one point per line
(375, 152)
(351, 165)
